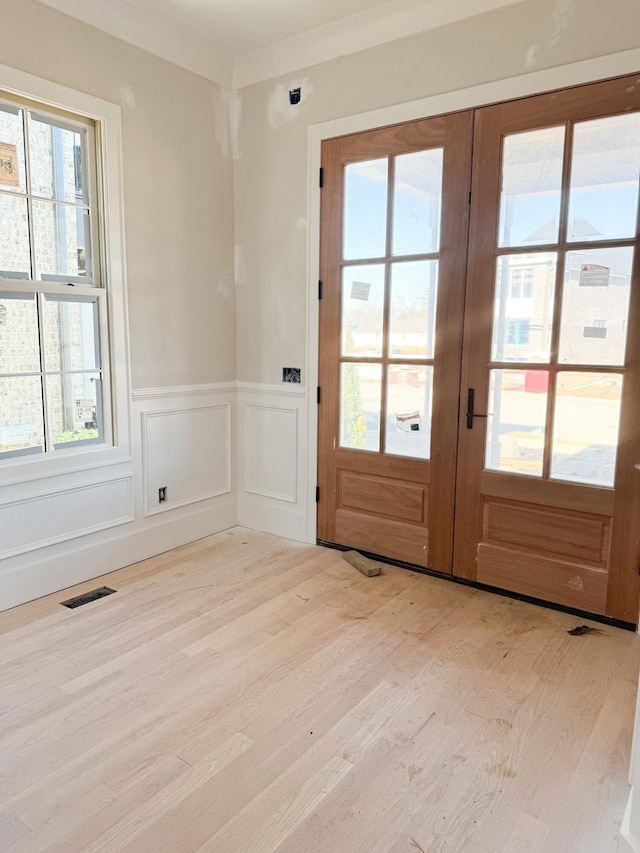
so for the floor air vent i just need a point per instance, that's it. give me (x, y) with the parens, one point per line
(94, 595)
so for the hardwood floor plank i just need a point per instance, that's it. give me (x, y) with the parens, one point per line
(245, 694)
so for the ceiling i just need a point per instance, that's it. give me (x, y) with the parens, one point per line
(239, 42)
(239, 26)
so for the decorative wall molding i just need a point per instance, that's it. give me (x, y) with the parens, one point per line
(101, 504)
(270, 451)
(161, 393)
(383, 23)
(67, 529)
(194, 478)
(125, 22)
(287, 389)
(271, 442)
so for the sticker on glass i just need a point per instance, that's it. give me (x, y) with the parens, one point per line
(594, 275)
(409, 422)
(360, 290)
(9, 165)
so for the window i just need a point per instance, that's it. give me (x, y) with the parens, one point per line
(53, 343)
(521, 284)
(64, 378)
(598, 329)
(518, 332)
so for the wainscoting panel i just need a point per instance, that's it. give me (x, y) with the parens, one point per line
(228, 453)
(60, 531)
(46, 518)
(186, 452)
(270, 445)
(273, 490)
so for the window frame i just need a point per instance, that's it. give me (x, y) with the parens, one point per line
(103, 173)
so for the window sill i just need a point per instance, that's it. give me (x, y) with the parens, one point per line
(23, 469)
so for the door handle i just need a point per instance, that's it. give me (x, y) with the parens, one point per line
(470, 413)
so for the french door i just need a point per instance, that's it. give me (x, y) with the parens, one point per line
(394, 226)
(480, 409)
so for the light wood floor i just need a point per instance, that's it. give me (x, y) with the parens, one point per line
(248, 694)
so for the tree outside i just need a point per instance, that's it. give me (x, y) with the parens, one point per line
(352, 423)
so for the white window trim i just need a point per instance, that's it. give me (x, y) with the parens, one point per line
(107, 117)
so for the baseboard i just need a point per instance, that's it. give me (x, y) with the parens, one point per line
(98, 554)
(279, 520)
(626, 844)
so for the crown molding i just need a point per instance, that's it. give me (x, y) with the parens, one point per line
(392, 21)
(133, 26)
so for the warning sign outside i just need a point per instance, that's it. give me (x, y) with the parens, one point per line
(594, 275)
(84, 411)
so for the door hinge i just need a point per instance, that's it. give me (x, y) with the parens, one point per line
(321, 178)
(319, 290)
(469, 196)
(318, 394)
(317, 494)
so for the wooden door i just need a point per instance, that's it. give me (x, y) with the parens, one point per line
(393, 256)
(548, 497)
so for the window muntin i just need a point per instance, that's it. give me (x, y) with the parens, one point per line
(389, 278)
(46, 163)
(53, 329)
(575, 189)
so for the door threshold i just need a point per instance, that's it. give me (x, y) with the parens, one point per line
(550, 605)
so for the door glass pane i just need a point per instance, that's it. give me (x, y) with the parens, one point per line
(15, 258)
(585, 432)
(412, 318)
(603, 203)
(72, 401)
(21, 422)
(595, 306)
(409, 402)
(12, 166)
(523, 307)
(365, 209)
(56, 160)
(417, 202)
(531, 185)
(70, 335)
(516, 421)
(362, 310)
(360, 395)
(61, 240)
(19, 345)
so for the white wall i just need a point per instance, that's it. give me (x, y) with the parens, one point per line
(178, 189)
(271, 174)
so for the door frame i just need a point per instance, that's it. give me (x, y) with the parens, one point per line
(564, 76)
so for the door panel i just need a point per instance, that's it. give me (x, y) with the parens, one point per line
(552, 249)
(394, 228)
(557, 580)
